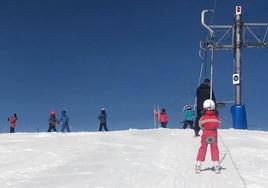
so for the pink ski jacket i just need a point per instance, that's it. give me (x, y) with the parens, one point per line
(12, 122)
(163, 117)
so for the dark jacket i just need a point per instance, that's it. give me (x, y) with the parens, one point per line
(52, 121)
(102, 117)
(203, 93)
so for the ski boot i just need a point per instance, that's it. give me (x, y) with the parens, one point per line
(217, 167)
(197, 169)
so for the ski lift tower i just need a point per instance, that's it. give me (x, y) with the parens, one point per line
(239, 33)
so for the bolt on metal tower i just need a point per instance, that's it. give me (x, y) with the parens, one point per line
(238, 32)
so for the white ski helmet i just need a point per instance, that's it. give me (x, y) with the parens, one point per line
(209, 104)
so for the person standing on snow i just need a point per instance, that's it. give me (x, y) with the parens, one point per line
(52, 122)
(12, 122)
(202, 93)
(163, 118)
(102, 119)
(64, 120)
(189, 116)
(209, 123)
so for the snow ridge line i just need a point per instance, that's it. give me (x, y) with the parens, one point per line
(235, 166)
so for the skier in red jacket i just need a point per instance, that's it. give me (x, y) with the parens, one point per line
(12, 122)
(163, 118)
(209, 123)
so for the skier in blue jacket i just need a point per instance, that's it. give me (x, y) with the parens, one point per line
(64, 120)
(189, 117)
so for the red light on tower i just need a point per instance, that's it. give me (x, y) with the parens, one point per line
(238, 10)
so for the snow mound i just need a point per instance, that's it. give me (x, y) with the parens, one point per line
(158, 158)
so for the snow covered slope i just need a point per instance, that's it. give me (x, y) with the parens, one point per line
(161, 158)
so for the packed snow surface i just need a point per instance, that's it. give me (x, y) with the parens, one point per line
(159, 158)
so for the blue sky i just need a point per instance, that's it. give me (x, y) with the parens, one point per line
(80, 56)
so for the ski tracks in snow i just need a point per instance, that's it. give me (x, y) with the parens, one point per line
(186, 176)
(159, 158)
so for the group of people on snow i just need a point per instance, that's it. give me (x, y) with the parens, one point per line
(207, 119)
(53, 122)
(191, 117)
(63, 121)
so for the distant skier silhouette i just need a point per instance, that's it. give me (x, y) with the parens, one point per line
(64, 120)
(12, 122)
(52, 122)
(163, 118)
(103, 119)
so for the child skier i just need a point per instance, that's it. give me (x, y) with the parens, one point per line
(209, 123)
(189, 116)
(64, 120)
(163, 118)
(52, 122)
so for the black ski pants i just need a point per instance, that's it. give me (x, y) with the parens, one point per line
(196, 123)
(103, 125)
(12, 129)
(164, 124)
(51, 127)
(188, 122)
